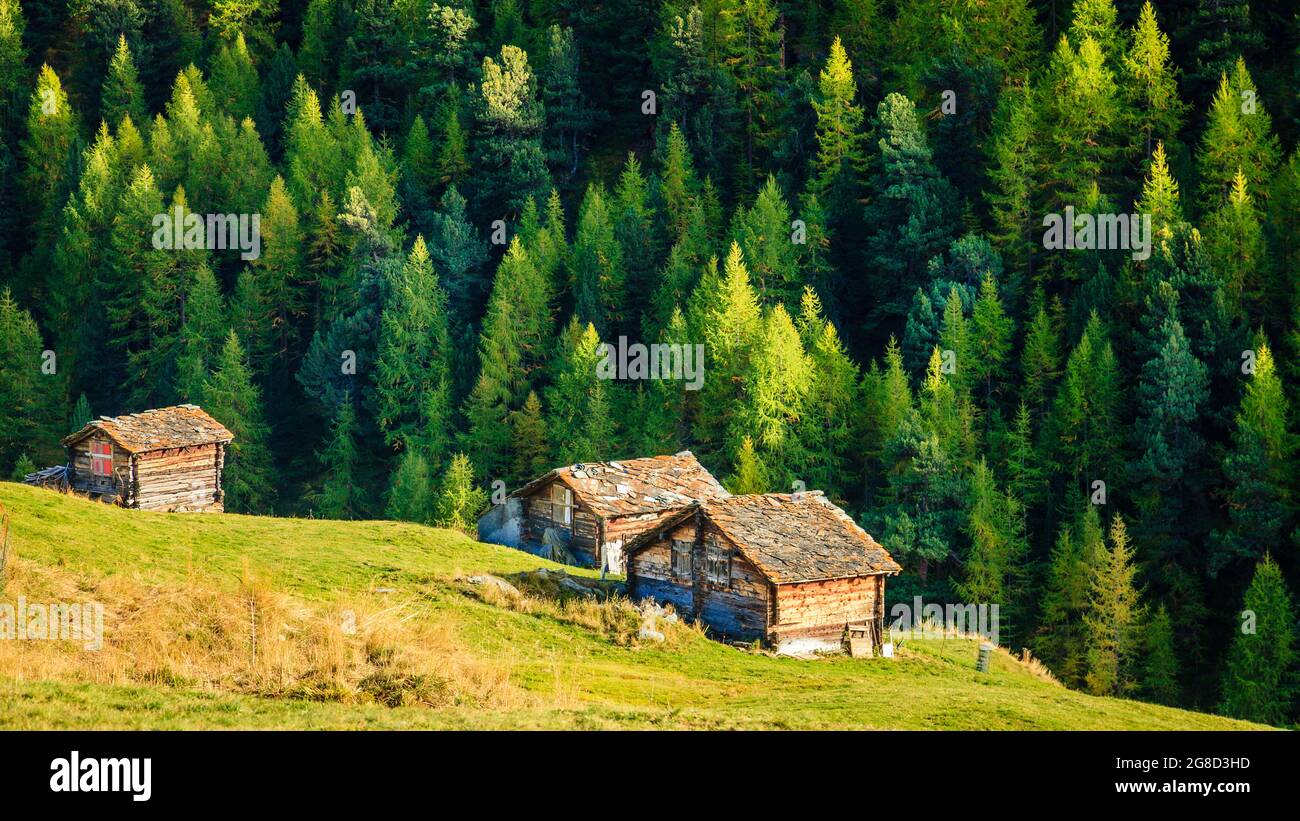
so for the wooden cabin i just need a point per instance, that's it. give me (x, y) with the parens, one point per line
(584, 514)
(165, 459)
(793, 571)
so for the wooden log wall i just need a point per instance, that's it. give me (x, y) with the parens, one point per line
(178, 479)
(620, 530)
(582, 533)
(739, 609)
(821, 609)
(83, 478)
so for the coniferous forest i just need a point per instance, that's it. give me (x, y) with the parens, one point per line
(847, 203)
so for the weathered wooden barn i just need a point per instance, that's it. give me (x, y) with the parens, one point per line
(793, 571)
(164, 459)
(584, 514)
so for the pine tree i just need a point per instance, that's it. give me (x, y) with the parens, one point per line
(1113, 615)
(1219, 34)
(752, 50)
(1259, 675)
(840, 159)
(248, 478)
(569, 117)
(459, 501)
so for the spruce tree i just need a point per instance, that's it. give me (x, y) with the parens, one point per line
(32, 401)
(1259, 675)
(123, 95)
(912, 216)
(413, 367)
(528, 440)
(578, 414)
(340, 495)
(231, 397)
(1159, 676)
(511, 165)
(1258, 470)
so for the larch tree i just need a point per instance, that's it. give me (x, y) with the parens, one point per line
(1112, 621)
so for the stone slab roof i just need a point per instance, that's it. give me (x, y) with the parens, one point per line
(631, 486)
(159, 429)
(798, 538)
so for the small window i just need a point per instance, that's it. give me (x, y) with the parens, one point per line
(682, 558)
(717, 565)
(101, 459)
(561, 504)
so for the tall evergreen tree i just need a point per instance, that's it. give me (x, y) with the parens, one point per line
(249, 482)
(1113, 616)
(1259, 679)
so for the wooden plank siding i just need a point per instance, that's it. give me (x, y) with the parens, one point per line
(739, 609)
(83, 478)
(581, 533)
(820, 609)
(800, 615)
(178, 479)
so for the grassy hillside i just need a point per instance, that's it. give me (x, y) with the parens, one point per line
(235, 621)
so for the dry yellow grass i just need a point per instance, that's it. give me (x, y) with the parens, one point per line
(256, 641)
